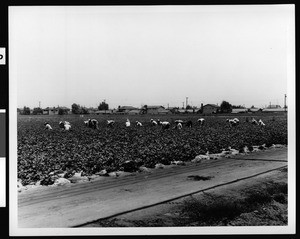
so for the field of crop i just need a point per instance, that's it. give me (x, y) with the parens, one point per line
(41, 152)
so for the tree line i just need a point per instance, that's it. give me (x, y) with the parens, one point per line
(77, 109)
(225, 107)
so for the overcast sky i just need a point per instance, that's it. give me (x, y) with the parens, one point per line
(155, 55)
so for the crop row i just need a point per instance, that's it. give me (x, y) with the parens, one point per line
(83, 149)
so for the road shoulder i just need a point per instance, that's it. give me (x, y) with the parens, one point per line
(171, 214)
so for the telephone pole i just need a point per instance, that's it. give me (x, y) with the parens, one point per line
(284, 102)
(186, 99)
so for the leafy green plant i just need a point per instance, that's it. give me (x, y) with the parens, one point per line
(83, 149)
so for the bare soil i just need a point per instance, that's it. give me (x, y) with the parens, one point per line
(259, 201)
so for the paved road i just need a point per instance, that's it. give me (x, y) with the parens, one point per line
(76, 204)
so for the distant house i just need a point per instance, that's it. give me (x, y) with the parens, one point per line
(190, 111)
(181, 111)
(196, 110)
(187, 111)
(134, 112)
(173, 110)
(126, 109)
(55, 110)
(239, 111)
(92, 110)
(254, 110)
(45, 111)
(156, 109)
(273, 107)
(210, 109)
(270, 110)
(50, 111)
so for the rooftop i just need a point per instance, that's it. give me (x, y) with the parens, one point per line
(273, 109)
(154, 106)
(127, 108)
(213, 105)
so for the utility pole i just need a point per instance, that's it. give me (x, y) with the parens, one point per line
(186, 99)
(39, 104)
(182, 105)
(284, 102)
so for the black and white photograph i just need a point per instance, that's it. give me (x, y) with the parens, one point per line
(152, 120)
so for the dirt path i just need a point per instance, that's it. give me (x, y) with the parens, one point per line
(73, 205)
(176, 213)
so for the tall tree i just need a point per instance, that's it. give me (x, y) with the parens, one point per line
(225, 107)
(84, 110)
(144, 109)
(26, 110)
(237, 107)
(37, 111)
(61, 111)
(75, 108)
(103, 106)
